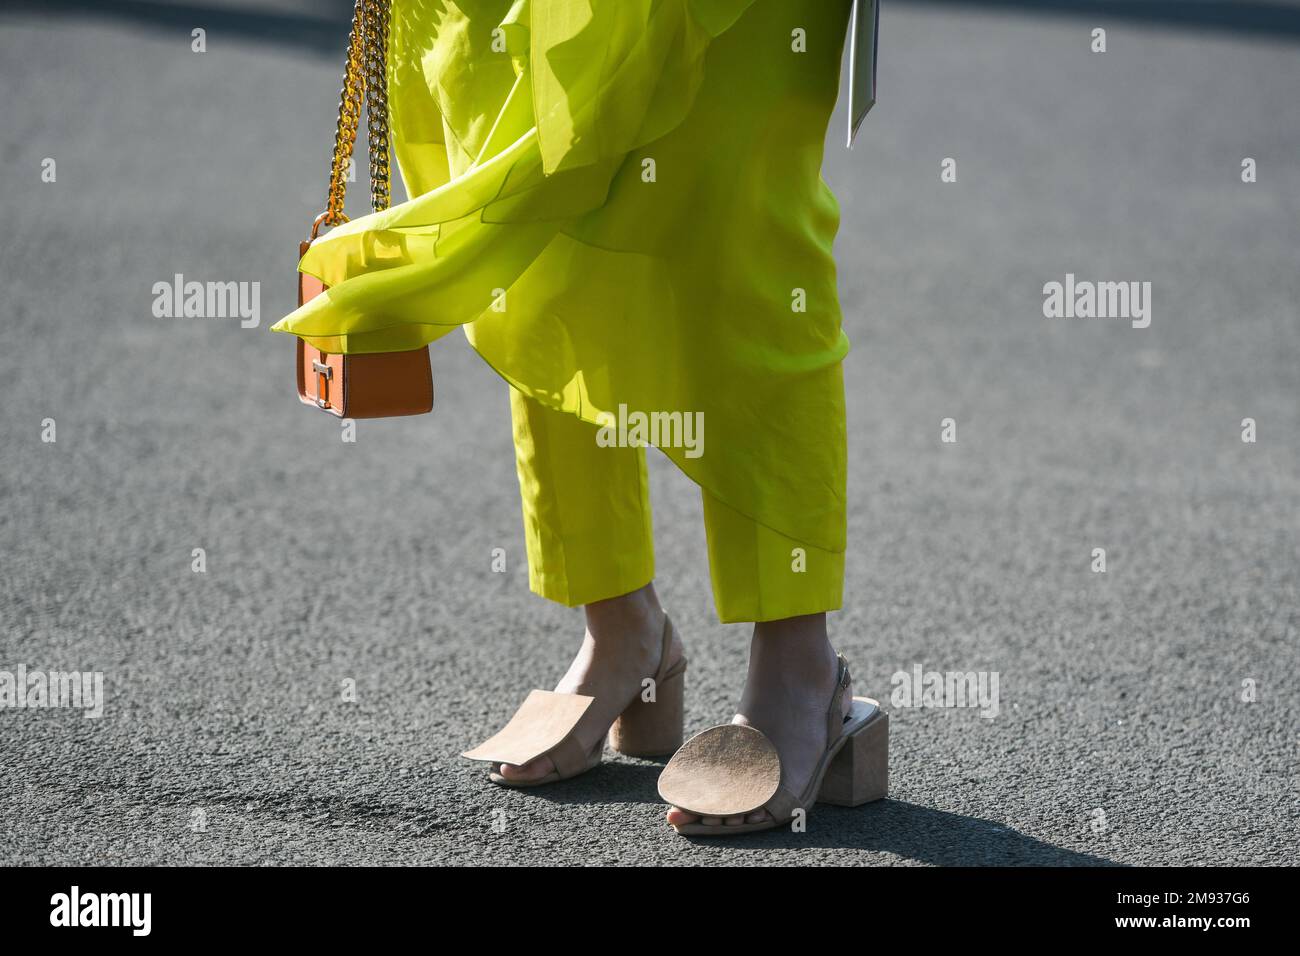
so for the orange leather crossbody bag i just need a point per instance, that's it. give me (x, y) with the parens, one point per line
(380, 384)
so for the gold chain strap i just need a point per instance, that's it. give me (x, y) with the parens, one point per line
(377, 100)
(365, 78)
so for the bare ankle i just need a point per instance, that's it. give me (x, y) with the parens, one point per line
(796, 647)
(637, 611)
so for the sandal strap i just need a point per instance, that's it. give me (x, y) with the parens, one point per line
(664, 672)
(543, 725)
(544, 722)
(721, 771)
(782, 805)
(569, 757)
(835, 713)
(785, 802)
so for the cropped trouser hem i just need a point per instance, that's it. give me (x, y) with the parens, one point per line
(589, 537)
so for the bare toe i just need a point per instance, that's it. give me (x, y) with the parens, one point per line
(526, 773)
(678, 817)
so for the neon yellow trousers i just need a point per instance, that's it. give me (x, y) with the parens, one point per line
(589, 535)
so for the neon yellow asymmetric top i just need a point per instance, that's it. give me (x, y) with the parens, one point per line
(621, 201)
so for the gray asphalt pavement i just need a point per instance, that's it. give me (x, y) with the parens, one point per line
(1122, 735)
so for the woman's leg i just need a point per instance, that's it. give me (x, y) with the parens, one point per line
(586, 508)
(786, 587)
(589, 539)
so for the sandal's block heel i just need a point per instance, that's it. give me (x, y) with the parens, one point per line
(860, 771)
(653, 728)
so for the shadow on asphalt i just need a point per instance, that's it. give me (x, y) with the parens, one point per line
(325, 32)
(613, 782)
(906, 830)
(915, 832)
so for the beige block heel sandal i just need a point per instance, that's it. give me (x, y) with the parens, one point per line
(544, 726)
(734, 770)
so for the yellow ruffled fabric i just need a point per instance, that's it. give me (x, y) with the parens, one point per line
(621, 202)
